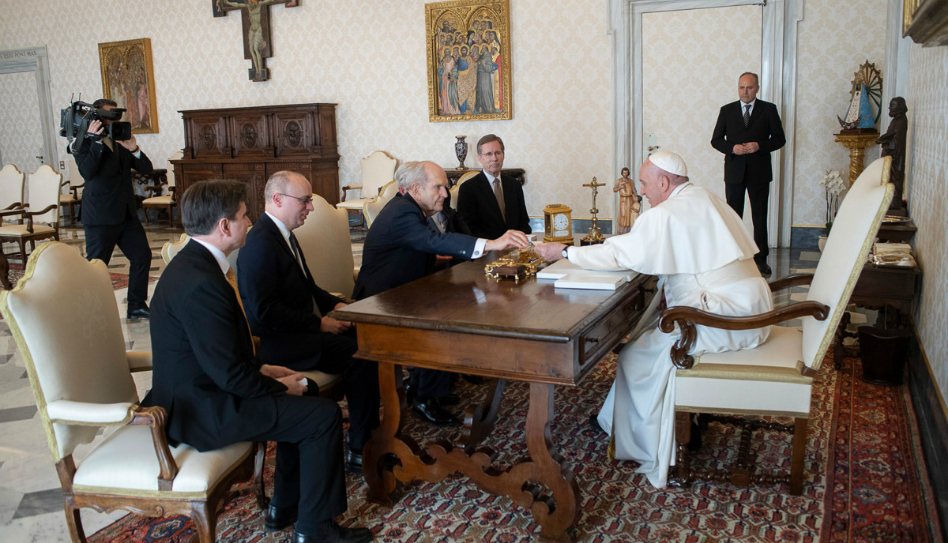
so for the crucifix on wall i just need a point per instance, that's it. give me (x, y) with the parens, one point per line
(255, 15)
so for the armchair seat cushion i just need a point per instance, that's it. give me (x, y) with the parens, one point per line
(767, 380)
(125, 463)
(66, 198)
(158, 201)
(354, 205)
(323, 380)
(19, 230)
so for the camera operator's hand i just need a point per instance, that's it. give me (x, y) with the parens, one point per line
(130, 144)
(95, 127)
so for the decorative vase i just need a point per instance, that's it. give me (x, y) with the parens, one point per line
(460, 150)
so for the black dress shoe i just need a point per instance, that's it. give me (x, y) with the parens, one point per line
(280, 518)
(138, 311)
(474, 379)
(594, 422)
(450, 399)
(354, 462)
(432, 411)
(764, 268)
(334, 533)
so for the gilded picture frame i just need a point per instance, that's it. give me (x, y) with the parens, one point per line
(128, 78)
(925, 21)
(462, 85)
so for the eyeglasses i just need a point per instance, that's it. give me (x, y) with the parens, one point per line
(305, 201)
(494, 154)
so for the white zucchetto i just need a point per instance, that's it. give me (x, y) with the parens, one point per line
(670, 162)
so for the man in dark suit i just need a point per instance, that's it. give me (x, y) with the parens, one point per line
(109, 208)
(747, 131)
(215, 391)
(402, 245)
(281, 299)
(490, 203)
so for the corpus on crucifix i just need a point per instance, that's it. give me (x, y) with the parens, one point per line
(255, 15)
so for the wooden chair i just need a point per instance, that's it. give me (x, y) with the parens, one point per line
(11, 188)
(377, 170)
(43, 208)
(166, 201)
(776, 378)
(74, 183)
(371, 208)
(81, 379)
(328, 383)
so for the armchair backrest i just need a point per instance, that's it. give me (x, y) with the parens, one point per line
(854, 230)
(453, 192)
(377, 169)
(11, 185)
(372, 208)
(44, 186)
(326, 244)
(72, 172)
(65, 321)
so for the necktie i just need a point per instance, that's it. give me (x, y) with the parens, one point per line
(232, 280)
(295, 245)
(747, 115)
(499, 194)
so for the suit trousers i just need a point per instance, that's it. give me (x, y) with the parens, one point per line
(429, 383)
(129, 235)
(309, 465)
(759, 197)
(360, 378)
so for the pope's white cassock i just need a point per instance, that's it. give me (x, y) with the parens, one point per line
(698, 247)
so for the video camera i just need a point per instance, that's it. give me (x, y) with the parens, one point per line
(74, 123)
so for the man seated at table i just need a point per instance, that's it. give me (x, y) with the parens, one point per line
(288, 311)
(698, 247)
(402, 245)
(490, 203)
(216, 392)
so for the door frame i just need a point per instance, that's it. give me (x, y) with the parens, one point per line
(36, 60)
(779, 19)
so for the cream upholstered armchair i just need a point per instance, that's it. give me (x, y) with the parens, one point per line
(41, 213)
(377, 170)
(81, 379)
(167, 201)
(453, 192)
(776, 378)
(74, 184)
(372, 208)
(327, 382)
(11, 188)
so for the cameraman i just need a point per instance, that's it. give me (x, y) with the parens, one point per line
(109, 208)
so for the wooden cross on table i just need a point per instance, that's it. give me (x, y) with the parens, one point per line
(255, 15)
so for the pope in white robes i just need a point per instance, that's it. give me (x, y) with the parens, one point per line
(698, 247)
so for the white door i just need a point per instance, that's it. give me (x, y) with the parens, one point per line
(21, 131)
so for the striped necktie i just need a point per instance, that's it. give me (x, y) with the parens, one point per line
(747, 115)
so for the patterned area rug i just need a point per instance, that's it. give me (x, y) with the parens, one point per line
(877, 493)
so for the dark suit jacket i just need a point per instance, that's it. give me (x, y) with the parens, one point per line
(108, 196)
(764, 128)
(401, 247)
(205, 375)
(278, 298)
(478, 206)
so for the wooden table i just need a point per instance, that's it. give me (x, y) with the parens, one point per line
(526, 331)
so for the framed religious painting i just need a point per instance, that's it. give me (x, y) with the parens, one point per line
(128, 78)
(468, 60)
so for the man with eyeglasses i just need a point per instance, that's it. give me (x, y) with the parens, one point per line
(490, 203)
(288, 311)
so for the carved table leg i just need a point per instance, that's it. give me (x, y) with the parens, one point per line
(386, 439)
(479, 421)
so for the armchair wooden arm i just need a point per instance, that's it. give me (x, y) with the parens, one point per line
(347, 188)
(30, 214)
(13, 211)
(14, 206)
(687, 318)
(154, 190)
(791, 281)
(155, 417)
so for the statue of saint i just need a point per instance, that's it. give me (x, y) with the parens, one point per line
(893, 144)
(630, 203)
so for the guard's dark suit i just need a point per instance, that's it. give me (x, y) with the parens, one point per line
(401, 247)
(751, 173)
(109, 209)
(279, 299)
(205, 376)
(478, 205)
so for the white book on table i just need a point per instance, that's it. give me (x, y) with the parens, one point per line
(565, 274)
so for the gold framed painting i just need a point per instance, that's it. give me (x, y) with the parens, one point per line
(128, 78)
(468, 60)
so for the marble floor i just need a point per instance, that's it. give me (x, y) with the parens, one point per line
(30, 499)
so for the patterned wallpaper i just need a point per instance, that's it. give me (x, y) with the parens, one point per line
(836, 37)
(367, 56)
(684, 87)
(928, 123)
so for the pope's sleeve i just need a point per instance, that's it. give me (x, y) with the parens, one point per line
(631, 251)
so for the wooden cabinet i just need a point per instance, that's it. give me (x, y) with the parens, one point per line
(249, 144)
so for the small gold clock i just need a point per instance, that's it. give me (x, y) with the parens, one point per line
(558, 224)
